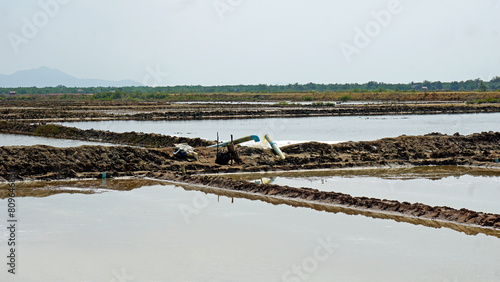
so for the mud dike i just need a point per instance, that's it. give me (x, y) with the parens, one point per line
(58, 111)
(480, 149)
(403, 211)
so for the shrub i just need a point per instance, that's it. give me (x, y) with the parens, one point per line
(282, 103)
(47, 130)
(346, 98)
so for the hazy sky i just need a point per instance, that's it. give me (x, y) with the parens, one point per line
(215, 42)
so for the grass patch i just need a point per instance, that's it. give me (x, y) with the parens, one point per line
(345, 98)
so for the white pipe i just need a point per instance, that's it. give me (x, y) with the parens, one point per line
(275, 147)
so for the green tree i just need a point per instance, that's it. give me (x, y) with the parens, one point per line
(482, 86)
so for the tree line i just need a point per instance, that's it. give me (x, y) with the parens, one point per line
(372, 86)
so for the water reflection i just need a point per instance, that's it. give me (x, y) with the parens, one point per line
(469, 230)
(457, 187)
(26, 140)
(51, 188)
(329, 128)
(142, 233)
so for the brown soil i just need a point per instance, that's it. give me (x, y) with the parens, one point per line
(296, 202)
(45, 162)
(43, 111)
(358, 96)
(463, 216)
(49, 163)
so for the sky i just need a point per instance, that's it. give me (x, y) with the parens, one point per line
(227, 42)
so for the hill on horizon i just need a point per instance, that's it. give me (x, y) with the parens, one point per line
(48, 77)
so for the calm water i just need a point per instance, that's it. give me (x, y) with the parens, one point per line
(438, 188)
(357, 128)
(165, 233)
(23, 140)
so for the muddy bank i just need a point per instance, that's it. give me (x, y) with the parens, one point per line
(39, 111)
(432, 149)
(324, 207)
(49, 163)
(392, 173)
(480, 149)
(45, 189)
(45, 162)
(444, 213)
(127, 138)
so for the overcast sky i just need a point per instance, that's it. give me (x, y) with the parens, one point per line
(217, 42)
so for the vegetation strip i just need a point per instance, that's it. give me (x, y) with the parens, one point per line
(138, 92)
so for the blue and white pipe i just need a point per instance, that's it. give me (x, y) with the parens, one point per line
(276, 149)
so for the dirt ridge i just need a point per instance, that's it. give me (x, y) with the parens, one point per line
(463, 216)
(479, 149)
(38, 111)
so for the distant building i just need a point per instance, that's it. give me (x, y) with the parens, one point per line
(79, 91)
(425, 88)
(12, 92)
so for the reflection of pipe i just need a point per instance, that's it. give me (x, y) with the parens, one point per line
(266, 180)
(275, 147)
(238, 141)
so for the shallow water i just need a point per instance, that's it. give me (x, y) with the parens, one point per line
(24, 140)
(474, 189)
(355, 128)
(165, 233)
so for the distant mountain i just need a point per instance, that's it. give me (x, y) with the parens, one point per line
(46, 77)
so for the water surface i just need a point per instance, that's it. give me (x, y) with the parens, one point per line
(333, 128)
(165, 233)
(25, 140)
(475, 189)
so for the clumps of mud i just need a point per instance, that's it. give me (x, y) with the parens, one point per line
(432, 149)
(127, 138)
(42, 162)
(480, 149)
(45, 162)
(462, 216)
(44, 111)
